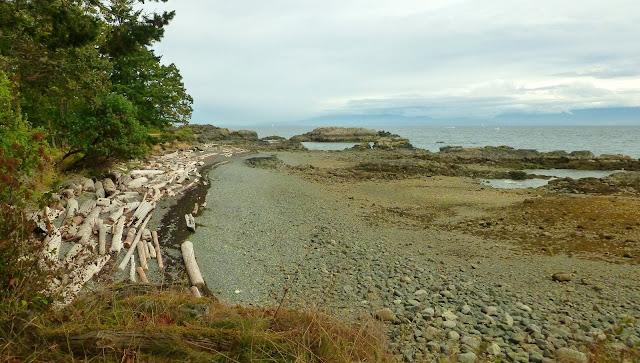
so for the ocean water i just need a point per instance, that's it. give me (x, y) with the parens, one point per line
(597, 139)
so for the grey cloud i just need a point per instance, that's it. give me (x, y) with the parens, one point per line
(247, 61)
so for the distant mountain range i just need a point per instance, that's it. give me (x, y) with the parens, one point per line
(592, 116)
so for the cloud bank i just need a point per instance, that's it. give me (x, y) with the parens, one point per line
(253, 61)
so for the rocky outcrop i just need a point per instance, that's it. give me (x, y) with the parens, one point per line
(278, 143)
(210, 133)
(626, 182)
(342, 134)
(528, 158)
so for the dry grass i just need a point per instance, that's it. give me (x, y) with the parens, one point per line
(167, 325)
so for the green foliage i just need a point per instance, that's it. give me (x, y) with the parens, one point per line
(21, 148)
(155, 89)
(67, 58)
(109, 130)
(22, 152)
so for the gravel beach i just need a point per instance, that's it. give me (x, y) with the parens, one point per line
(354, 249)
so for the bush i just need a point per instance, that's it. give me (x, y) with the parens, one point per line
(22, 152)
(108, 130)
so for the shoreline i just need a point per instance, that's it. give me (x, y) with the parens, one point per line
(434, 257)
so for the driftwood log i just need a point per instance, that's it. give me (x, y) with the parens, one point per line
(195, 292)
(86, 207)
(132, 269)
(86, 229)
(116, 241)
(131, 234)
(102, 237)
(151, 249)
(191, 265)
(191, 222)
(72, 207)
(143, 276)
(108, 186)
(156, 243)
(78, 278)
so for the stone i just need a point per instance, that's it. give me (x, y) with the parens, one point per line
(523, 307)
(385, 314)
(448, 315)
(469, 357)
(571, 355)
(493, 349)
(472, 342)
(453, 335)
(446, 293)
(406, 279)
(491, 310)
(508, 319)
(465, 309)
(430, 333)
(414, 302)
(561, 277)
(428, 312)
(449, 324)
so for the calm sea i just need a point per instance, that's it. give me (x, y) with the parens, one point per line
(597, 139)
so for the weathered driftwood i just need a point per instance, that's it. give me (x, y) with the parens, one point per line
(128, 241)
(191, 265)
(191, 222)
(142, 256)
(156, 243)
(140, 245)
(86, 229)
(86, 207)
(72, 207)
(116, 241)
(113, 217)
(143, 276)
(127, 258)
(78, 278)
(137, 183)
(151, 251)
(103, 202)
(146, 172)
(131, 206)
(114, 206)
(68, 193)
(146, 235)
(195, 292)
(51, 249)
(141, 212)
(102, 237)
(108, 186)
(88, 185)
(132, 269)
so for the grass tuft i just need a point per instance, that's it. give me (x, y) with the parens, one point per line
(122, 323)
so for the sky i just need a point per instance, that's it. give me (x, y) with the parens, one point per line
(254, 61)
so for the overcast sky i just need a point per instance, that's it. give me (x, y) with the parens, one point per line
(255, 61)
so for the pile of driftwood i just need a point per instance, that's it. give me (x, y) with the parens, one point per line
(95, 220)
